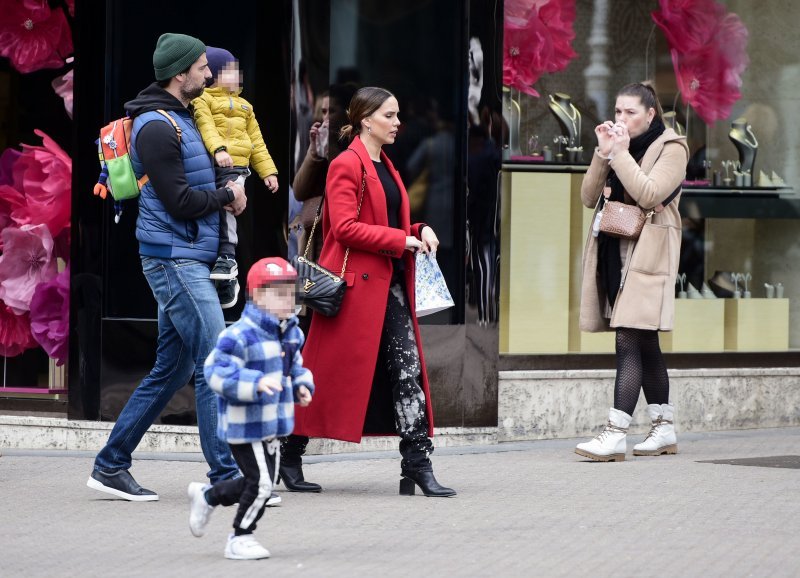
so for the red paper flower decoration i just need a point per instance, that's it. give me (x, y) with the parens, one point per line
(709, 54)
(44, 175)
(50, 316)
(15, 332)
(32, 36)
(26, 261)
(537, 38)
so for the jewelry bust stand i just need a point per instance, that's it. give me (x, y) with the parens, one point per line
(671, 120)
(569, 117)
(742, 137)
(512, 114)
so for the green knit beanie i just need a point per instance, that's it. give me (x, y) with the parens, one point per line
(175, 53)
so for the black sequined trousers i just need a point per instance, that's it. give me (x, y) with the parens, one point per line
(400, 353)
(403, 369)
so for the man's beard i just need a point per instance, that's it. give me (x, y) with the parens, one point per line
(190, 94)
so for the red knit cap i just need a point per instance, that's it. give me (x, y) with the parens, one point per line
(269, 270)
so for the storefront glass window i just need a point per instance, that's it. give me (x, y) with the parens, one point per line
(726, 78)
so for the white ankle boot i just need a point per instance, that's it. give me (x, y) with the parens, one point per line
(610, 445)
(661, 439)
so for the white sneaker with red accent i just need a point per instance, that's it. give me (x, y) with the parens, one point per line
(244, 547)
(199, 509)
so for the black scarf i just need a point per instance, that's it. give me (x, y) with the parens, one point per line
(609, 262)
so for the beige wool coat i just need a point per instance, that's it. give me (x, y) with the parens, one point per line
(646, 299)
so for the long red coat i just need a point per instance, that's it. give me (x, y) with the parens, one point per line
(342, 351)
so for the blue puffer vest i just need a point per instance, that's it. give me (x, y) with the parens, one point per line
(160, 234)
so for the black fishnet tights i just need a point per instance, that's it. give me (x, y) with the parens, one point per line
(640, 365)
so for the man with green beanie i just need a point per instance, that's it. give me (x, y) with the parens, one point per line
(175, 53)
(178, 233)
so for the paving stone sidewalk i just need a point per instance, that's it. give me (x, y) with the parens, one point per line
(523, 509)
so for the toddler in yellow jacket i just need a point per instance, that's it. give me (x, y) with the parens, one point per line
(231, 134)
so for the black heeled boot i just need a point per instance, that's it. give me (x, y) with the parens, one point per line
(291, 469)
(426, 482)
(294, 481)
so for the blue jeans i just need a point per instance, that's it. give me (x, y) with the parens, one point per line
(189, 322)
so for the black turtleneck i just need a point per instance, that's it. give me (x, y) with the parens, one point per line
(392, 192)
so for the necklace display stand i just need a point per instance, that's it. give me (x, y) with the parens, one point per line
(671, 120)
(742, 137)
(512, 114)
(569, 118)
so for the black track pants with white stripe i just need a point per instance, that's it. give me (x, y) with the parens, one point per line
(259, 463)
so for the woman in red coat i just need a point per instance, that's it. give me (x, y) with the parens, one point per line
(367, 361)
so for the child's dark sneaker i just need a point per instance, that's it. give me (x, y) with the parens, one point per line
(228, 292)
(224, 269)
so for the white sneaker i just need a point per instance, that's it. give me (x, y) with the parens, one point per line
(610, 445)
(244, 548)
(199, 509)
(661, 439)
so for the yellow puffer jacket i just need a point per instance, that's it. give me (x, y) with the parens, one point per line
(226, 119)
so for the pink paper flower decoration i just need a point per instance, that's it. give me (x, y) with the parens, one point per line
(702, 87)
(10, 198)
(537, 39)
(32, 36)
(44, 175)
(63, 87)
(520, 54)
(50, 316)
(10, 201)
(708, 46)
(688, 25)
(15, 332)
(26, 261)
(518, 8)
(7, 160)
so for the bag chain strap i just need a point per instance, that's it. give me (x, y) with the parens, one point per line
(316, 219)
(358, 214)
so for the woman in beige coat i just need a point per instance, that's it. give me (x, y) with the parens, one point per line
(629, 286)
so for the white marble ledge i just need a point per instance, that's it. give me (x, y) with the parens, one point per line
(31, 432)
(609, 373)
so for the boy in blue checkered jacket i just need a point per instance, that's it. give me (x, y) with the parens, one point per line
(257, 371)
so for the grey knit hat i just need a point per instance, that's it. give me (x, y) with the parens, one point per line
(175, 53)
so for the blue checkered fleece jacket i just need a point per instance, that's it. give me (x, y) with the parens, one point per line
(257, 345)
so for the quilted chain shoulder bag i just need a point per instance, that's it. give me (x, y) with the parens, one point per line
(317, 287)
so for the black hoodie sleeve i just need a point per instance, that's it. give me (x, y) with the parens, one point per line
(160, 153)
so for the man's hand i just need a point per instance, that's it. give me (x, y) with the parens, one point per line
(239, 199)
(223, 159)
(272, 183)
(269, 385)
(303, 395)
